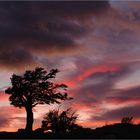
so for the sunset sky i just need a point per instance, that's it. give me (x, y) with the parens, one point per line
(95, 46)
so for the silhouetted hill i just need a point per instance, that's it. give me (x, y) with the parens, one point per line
(119, 131)
(115, 131)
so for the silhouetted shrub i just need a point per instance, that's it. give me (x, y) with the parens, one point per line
(21, 130)
(58, 122)
(127, 120)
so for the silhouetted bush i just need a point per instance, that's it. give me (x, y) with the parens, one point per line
(21, 130)
(127, 120)
(60, 122)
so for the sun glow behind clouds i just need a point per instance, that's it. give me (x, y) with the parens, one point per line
(83, 116)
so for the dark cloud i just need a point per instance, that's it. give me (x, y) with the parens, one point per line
(15, 59)
(74, 8)
(136, 15)
(42, 27)
(119, 99)
(119, 41)
(130, 92)
(118, 114)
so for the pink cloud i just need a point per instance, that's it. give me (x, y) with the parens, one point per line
(3, 96)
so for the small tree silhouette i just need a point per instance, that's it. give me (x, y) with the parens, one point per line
(60, 122)
(127, 120)
(34, 87)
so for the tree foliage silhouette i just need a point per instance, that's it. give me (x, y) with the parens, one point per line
(35, 87)
(60, 122)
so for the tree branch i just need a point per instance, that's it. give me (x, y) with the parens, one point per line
(34, 104)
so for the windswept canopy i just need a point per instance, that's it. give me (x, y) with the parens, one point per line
(35, 87)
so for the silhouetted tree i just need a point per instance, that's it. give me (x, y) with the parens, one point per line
(60, 122)
(127, 120)
(34, 87)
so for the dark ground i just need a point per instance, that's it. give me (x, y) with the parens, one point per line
(115, 131)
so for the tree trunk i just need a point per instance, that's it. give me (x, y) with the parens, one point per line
(29, 120)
